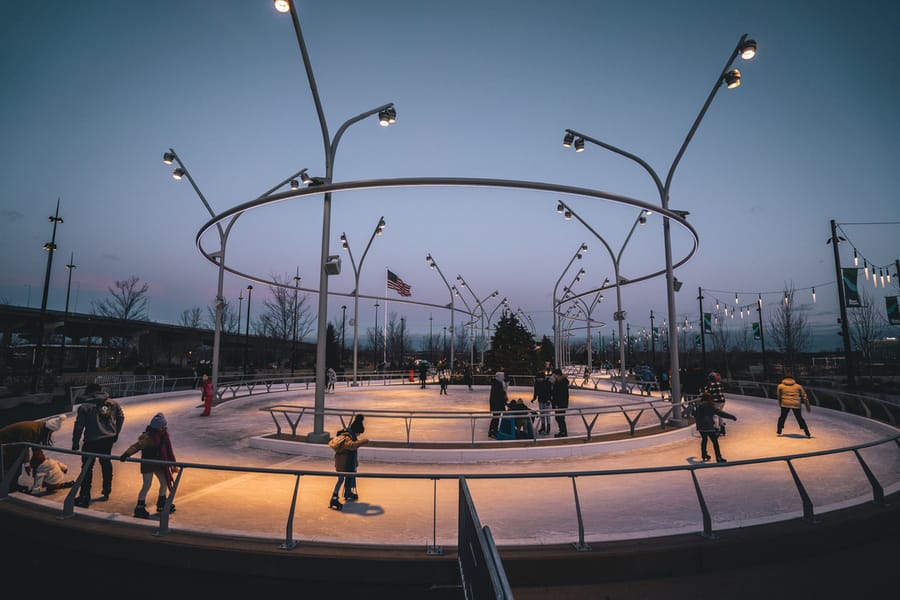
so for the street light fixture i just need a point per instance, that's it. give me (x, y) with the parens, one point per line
(62, 347)
(619, 315)
(247, 330)
(357, 269)
(50, 247)
(470, 325)
(746, 49)
(557, 337)
(182, 171)
(433, 264)
(480, 305)
(319, 435)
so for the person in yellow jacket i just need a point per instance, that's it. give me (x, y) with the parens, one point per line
(791, 397)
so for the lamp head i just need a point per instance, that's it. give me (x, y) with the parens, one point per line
(305, 178)
(567, 139)
(732, 79)
(168, 157)
(344, 243)
(560, 207)
(178, 173)
(584, 247)
(579, 145)
(295, 185)
(282, 6)
(748, 49)
(567, 215)
(387, 116)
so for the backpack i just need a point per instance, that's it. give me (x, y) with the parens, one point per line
(340, 441)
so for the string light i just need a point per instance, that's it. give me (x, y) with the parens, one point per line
(855, 258)
(866, 269)
(736, 301)
(814, 295)
(881, 274)
(785, 299)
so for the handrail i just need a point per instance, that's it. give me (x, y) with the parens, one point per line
(289, 542)
(289, 410)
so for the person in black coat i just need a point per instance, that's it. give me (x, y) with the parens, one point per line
(705, 420)
(560, 400)
(497, 401)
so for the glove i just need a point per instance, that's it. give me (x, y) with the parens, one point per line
(122, 458)
(75, 446)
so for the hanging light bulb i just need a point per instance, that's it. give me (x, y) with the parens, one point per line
(785, 299)
(866, 269)
(881, 274)
(726, 310)
(855, 258)
(874, 279)
(717, 304)
(736, 298)
(814, 295)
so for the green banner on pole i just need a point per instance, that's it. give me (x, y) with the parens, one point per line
(851, 291)
(755, 331)
(893, 311)
(707, 322)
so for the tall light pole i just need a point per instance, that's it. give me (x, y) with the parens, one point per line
(178, 174)
(746, 49)
(247, 330)
(294, 323)
(343, 329)
(375, 350)
(557, 337)
(387, 114)
(588, 310)
(433, 264)
(504, 303)
(470, 325)
(357, 269)
(50, 247)
(619, 315)
(62, 346)
(480, 305)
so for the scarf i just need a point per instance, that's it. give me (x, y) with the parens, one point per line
(161, 440)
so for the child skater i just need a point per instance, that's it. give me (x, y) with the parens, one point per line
(705, 418)
(154, 443)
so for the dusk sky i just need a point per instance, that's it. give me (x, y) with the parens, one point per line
(96, 91)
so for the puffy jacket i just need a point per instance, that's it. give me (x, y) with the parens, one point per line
(704, 416)
(791, 394)
(98, 418)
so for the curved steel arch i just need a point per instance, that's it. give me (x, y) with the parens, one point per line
(413, 182)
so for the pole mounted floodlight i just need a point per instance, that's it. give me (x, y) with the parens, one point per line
(733, 79)
(746, 49)
(282, 6)
(579, 145)
(432, 264)
(568, 139)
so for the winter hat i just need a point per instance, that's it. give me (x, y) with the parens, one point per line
(158, 421)
(54, 423)
(500, 376)
(357, 426)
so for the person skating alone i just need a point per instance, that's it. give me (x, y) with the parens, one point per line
(206, 394)
(714, 388)
(705, 418)
(791, 398)
(560, 400)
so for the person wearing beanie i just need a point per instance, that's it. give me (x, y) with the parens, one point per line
(705, 420)
(714, 388)
(356, 429)
(99, 419)
(35, 432)
(206, 394)
(154, 444)
(497, 401)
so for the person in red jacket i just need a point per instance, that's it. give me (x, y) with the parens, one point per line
(206, 391)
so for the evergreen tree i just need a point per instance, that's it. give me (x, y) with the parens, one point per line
(512, 348)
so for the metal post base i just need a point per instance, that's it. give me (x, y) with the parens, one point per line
(434, 550)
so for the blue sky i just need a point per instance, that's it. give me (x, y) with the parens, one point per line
(95, 92)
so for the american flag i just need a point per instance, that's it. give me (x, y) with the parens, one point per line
(398, 285)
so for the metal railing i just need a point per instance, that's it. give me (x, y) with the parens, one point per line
(850, 403)
(291, 415)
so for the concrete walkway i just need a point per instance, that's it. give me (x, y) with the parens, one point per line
(401, 505)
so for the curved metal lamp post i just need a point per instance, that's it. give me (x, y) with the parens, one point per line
(357, 269)
(480, 305)
(616, 259)
(386, 115)
(433, 264)
(180, 172)
(732, 79)
(557, 338)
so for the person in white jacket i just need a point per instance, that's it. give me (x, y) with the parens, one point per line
(49, 474)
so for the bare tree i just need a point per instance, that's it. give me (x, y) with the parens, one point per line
(191, 317)
(128, 300)
(229, 317)
(789, 331)
(867, 325)
(284, 313)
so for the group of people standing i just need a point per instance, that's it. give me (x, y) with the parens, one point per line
(551, 392)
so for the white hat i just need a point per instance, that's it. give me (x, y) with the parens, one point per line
(54, 423)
